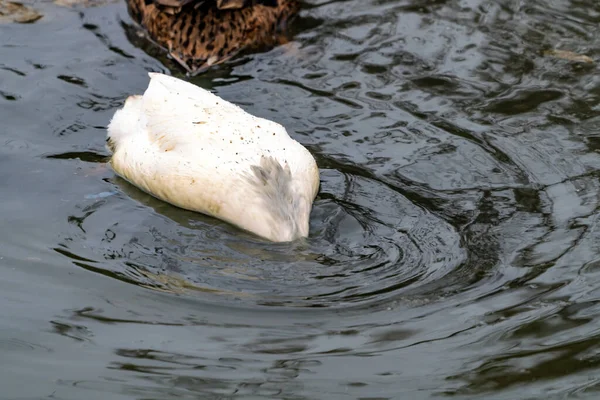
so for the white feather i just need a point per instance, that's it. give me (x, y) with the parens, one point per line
(197, 151)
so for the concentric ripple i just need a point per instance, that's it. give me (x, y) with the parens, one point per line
(368, 243)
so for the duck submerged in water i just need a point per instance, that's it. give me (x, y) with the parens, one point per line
(201, 33)
(192, 149)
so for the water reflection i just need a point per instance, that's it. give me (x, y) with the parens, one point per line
(454, 242)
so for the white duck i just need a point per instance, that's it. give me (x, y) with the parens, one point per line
(190, 148)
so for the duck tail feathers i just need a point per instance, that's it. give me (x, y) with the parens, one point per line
(124, 123)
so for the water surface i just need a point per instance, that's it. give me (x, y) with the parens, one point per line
(454, 248)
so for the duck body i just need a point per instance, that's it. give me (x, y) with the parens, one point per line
(201, 33)
(192, 149)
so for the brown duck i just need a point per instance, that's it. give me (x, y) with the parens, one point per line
(201, 33)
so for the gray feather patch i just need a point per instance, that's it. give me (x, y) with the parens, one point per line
(273, 184)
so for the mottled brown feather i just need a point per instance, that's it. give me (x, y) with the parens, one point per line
(198, 34)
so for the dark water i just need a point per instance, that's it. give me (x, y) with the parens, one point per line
(455, 242)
